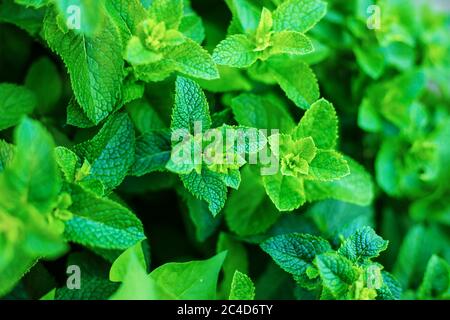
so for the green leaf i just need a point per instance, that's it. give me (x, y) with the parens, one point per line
(101, 222)
(231, 79)
(44, 80)
(286, 192)
(236, 260)
(436, 281)
(76, 115)
(364, 244)
(246, 13)
(189, 280)
(33, 3)
(319, 122)
(207, 186)
(33, 170)
(6, 154)
(152, 152)
(120, 267)
(127, 14)
(204, 223)
(91, 15)
(242, 287)
(137, 54)
(191, 59)
(371, 60)
(263, 32)
(15, 102)
(418, 246)
(391, 288)
(298, 15)
(248, 211)
(168, 11)
(131, 270)
(337, 274)
(68, 162)
(357, 187)
(30, 185)
(296, 79)
(328, 165)
(110, 152)
(263, 113)
(192, 27)
(235, 51)
(295, 252)
(290, 42)
(94, 63)
(144, 116)
(190, 106)
(92, 288)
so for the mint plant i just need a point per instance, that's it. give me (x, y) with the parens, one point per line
(237, 149)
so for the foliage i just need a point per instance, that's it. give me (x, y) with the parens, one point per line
(345, 110)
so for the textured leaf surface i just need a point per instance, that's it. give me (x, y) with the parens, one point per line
(207, 186)
(296, 79)
(319, 122)
(152, 152)
(190, 106)
(111, 151)
(101, 222)
(15, 102)
(298, 15)
(337, 274)
(364, 244)
(242, 287)
(94, 63)
(235, 51)
(295, 252)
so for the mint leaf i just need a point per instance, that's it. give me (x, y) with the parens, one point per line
(298, 82)
(127, 14)
(43, 74)
(357, 187)
(190, 106)
(191, 59)
(436, 280)
(286, 192)
(120, 267)
(248, 211)
(328, 165)
(15, 102)
(295, 252)
(337, 274)
(207, 186)
(168, 11)
(259, 112)
(94, 63)
(319, 122)
(110, 152)
(189, 280)
(101, 222)
(235, 51)
(242, 287)
(152, 152)
(236, 260)
(290, 42)
(298, 15)
(364, 244)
